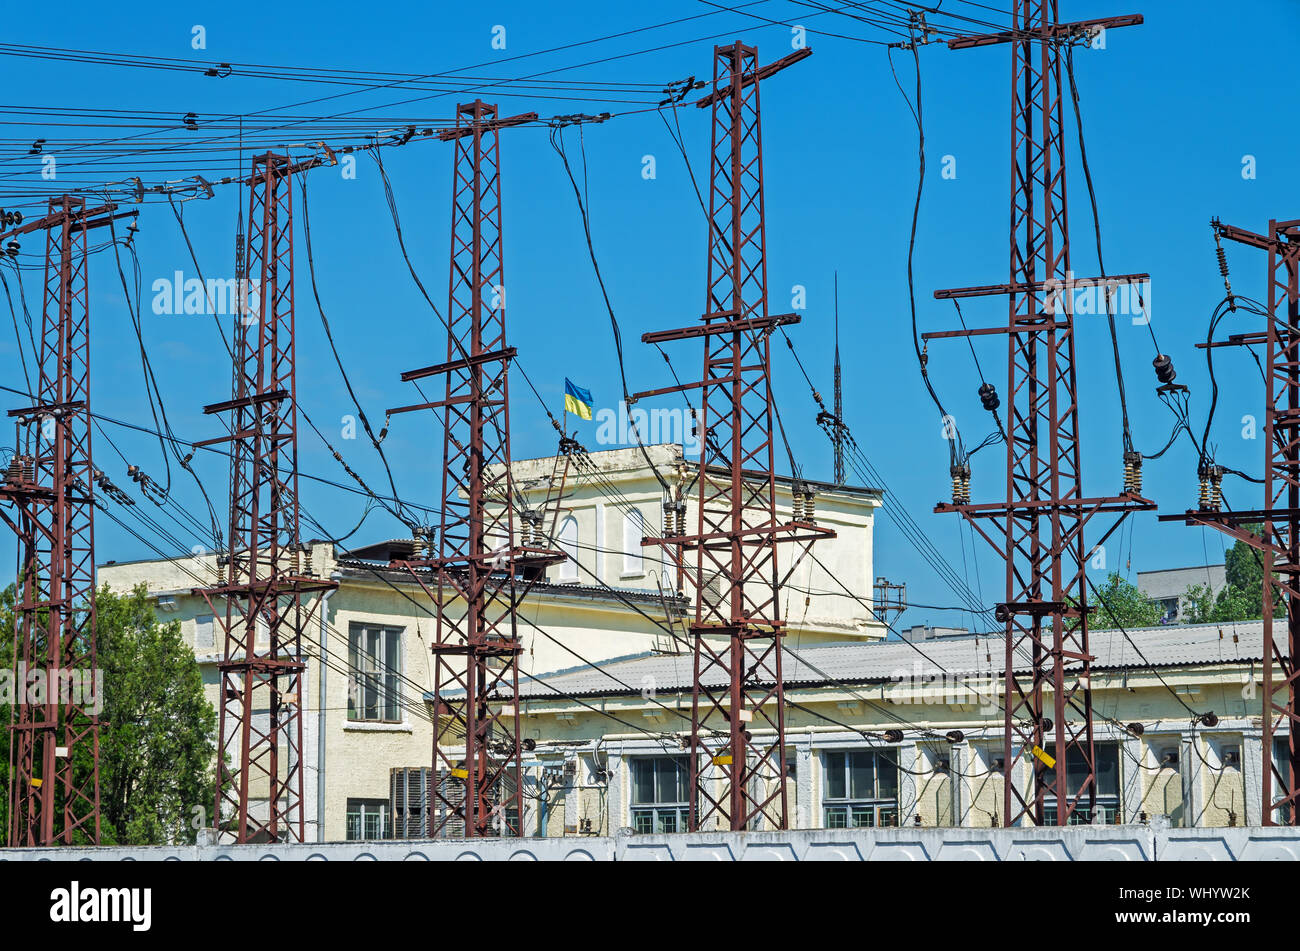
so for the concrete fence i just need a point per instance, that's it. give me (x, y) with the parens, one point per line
(1131, 843)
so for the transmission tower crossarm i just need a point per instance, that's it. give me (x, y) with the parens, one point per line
(1061, 286)
(1051, 31)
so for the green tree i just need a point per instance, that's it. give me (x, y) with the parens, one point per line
(157, 730)
(1242, 596)
(1122, 604)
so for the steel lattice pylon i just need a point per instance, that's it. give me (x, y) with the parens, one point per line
(474, 579)
(265, 603)
(1279, 541)
(1044, 517)
(54, 753)
(738, 700)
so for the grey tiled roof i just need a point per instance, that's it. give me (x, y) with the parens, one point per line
(1173, 646)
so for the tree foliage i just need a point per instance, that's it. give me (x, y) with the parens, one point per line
(1242, 596)
(157, 730)
(1122, 604)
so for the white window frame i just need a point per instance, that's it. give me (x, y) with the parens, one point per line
(389, 686)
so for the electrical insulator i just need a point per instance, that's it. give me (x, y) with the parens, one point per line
(1165, 372)
(960, 483)
(13, 248)
(989, 397)
(1133, 472)
(695, 424)
(1210, 495)
(1223, 270)
(681, 517)
(810, 507)
(796, 503)
(670, 520)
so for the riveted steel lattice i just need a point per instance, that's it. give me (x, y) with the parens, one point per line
(264, 599)
(54, 795)
(1279, 535)
(474, 579)
(737, 753)
(1047, 709)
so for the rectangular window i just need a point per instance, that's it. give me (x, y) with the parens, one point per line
(374, 673)
(1107, 755)
(205, 637)
(368, 819)
(861, 789)
(660, 794)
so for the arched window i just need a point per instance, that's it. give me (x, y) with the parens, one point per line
(633, 532)
(567, 537)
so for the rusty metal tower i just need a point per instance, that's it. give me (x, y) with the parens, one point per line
(54, 749)
(1039, 529)
(264, 598)
(738, 700)
(475, 572)
(1279, 540)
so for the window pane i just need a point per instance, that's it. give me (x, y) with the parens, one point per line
(835, 788)
(862, 778)
(667, 819)
(666, 783)
(391, 693)
(887, 781)
(887, 816)
(643, 782)
(836, 817)
(643, 822)
(354, 667)
(1107, 768)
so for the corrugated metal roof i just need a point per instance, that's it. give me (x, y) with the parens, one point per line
(884, 661)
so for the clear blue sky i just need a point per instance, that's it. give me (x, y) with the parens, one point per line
(1170, 109)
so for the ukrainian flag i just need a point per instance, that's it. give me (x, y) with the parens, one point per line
(576, 400)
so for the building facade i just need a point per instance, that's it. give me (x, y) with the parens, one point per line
(368, 659)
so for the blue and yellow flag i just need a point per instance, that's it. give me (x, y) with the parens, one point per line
(576, 400)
